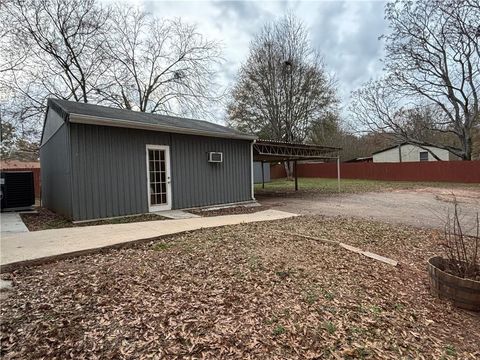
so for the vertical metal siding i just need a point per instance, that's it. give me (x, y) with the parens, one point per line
(257, 171)
(109, 170)
(198, 182)
(56, 171)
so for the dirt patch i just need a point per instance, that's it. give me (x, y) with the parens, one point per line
(242, 292)
(421, 207)
(229, 210)
(462, 196)
(45, 219)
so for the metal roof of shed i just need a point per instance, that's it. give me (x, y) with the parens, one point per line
(77, 112)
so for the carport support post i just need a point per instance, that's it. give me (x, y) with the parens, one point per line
(263, 176)
(338, 172)
(296, 175)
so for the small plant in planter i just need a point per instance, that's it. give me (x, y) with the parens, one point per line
(456, 275)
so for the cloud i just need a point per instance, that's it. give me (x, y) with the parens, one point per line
(344, 32)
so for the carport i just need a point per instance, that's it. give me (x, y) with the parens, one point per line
(272, 151)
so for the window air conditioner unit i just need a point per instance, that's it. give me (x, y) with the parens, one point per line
(215, 157)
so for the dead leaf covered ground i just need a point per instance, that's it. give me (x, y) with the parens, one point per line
(44, 219)
(242, 292)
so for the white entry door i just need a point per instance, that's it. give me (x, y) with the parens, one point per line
(158, 175)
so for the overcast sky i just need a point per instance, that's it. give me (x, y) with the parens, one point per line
(345, 32)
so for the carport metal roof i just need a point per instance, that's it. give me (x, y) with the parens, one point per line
(275, 151)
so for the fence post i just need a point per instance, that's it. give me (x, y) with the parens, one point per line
(338, 172)
(263, 176)
(296, 175)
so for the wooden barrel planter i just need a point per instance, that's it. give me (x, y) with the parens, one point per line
(464, 293)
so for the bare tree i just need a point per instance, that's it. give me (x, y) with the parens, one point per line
(53, 48)
(432, 62)
(333, 131)
(78, 50)
(159, 65)
(283, 88)
(375, 105)
(63, 38)
(12, 55)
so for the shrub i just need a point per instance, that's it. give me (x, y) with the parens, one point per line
(461, 249)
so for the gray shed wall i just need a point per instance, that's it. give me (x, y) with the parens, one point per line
(109, 170)
(56, 172)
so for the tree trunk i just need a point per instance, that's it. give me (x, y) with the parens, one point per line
(467, 146)
(289, 169)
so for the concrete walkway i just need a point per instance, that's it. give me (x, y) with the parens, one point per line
(37, 246)
(11, 223)
(176, 214)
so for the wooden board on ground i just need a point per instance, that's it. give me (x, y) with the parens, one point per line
(354, 249)
(370, 254)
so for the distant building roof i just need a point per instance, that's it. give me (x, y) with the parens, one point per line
(402, 144)
(77, 112)
(361, 159)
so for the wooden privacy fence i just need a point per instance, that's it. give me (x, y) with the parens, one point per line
(36, 177)
(445, 171)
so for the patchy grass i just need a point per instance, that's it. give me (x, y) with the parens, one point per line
(45, 219)
(231, 210)
(240, 292)
(279, 330)
(327, 295)
(330, 327)
(311, 297)
(450, 350)
(330, 186)
(162, 246)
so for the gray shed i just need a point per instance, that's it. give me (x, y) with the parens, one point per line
(99, 162)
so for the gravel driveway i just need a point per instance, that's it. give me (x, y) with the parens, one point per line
(427, 207)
